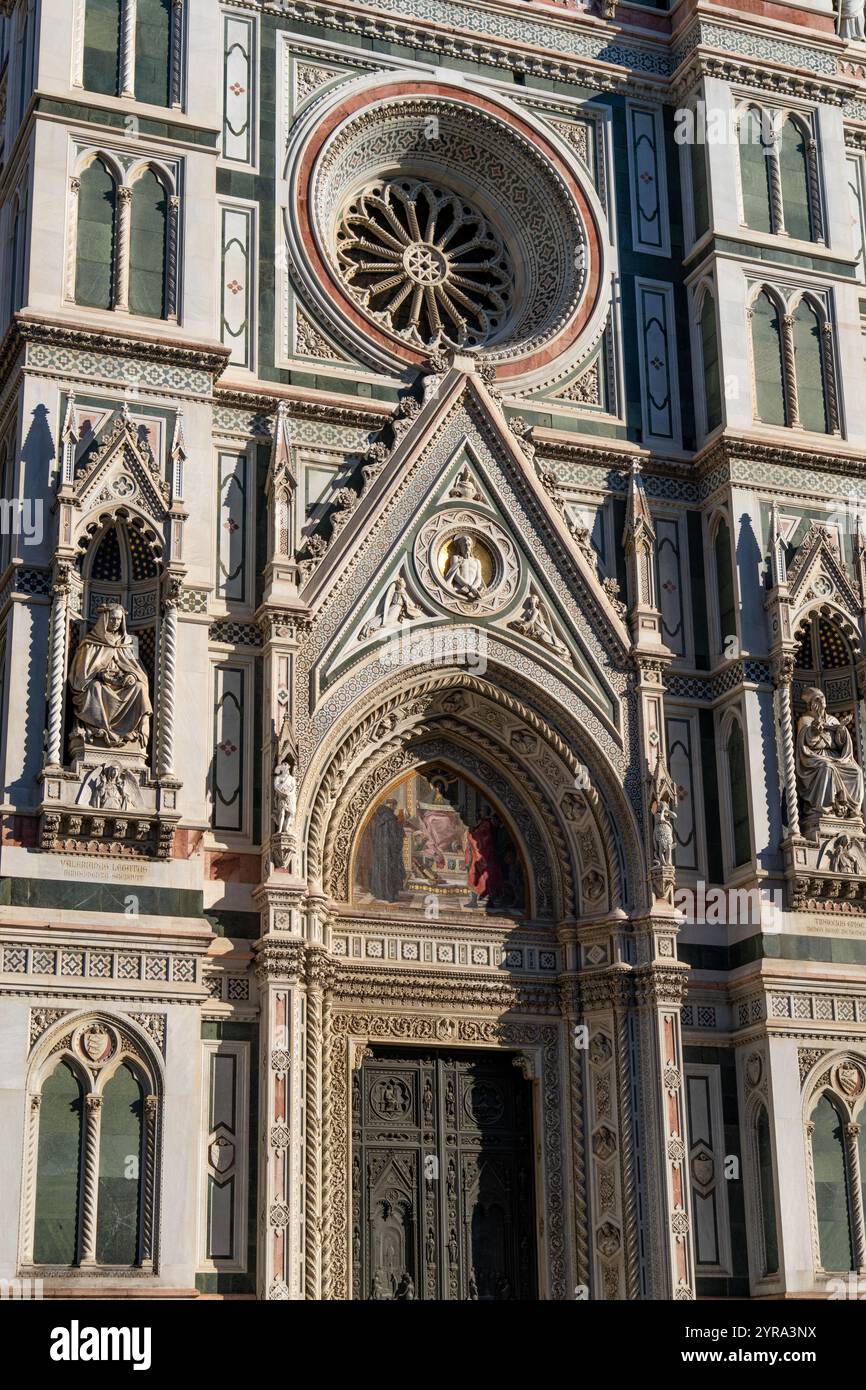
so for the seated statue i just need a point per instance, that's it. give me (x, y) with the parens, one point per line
(829, 776)
(109, 686)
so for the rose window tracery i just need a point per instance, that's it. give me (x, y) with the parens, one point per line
(420, 216)
(425, 263)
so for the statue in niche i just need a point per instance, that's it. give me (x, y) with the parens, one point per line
(663, 836)
(464, 569)
(830, 778)
(850, 19)
(109, 686)
(285, 798)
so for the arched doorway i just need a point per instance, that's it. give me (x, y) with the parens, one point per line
(443, 1201)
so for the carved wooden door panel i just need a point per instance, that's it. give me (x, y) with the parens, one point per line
(442, 1178)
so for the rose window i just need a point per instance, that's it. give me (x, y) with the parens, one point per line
(425, 264)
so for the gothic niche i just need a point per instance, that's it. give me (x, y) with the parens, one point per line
(111, 665)
(829, 745)
(435, 842)
(108, 782)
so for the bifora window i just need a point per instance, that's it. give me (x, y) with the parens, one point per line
(92, 1151)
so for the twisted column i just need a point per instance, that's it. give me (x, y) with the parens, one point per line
(167, 680)
(629, 1178)
(313, 1151)
(57, 666)
(828, 365)
(814, 190)
(575, 1076)
(175, 92)
(72, 238)
(327, 1109)
(784, 673)
(777, 210)
(92, 1107)
(30, 1176)
(855, 1197)
(121, 255)
(171, 257)
(791, 395)
(127, 49)
(151, 1110)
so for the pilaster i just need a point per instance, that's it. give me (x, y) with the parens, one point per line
(280, 968)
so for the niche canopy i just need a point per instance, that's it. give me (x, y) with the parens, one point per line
(426, 216)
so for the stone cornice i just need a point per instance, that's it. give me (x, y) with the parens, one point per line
(343, 410)
(733, 448)
(585, 49)
(28, 328)
(359, 984)
(726, 451)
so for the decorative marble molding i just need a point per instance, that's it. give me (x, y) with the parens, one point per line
(374, 941)
(43, 966)
(378, 1025)
(800, 1005)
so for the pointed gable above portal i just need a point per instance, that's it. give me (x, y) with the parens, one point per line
(458, 512)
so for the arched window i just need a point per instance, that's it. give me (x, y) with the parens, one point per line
(710, 363)
(95, 1116)
(741, 835)
(101, 46)
(809, 362)
(727, 598)
(831, 1187)
(770, 403)
(755, 144)
(153, 51)
(700, 191)
(766, 1193)
(97, 198)
(793, 154)
(148, 246)
(58, 1165)
(120, 1167)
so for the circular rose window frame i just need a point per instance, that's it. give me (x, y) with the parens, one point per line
(320, 280)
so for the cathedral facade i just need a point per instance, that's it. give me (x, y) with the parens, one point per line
(432, 648)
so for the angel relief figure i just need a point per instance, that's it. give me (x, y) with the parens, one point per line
(110, 788)
(396, 608)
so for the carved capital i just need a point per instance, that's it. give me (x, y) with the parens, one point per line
(657, 985)
(280, 960)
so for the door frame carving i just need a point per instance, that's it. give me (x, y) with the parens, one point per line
(539, 1045)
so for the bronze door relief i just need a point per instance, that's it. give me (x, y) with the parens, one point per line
(442, 1178)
